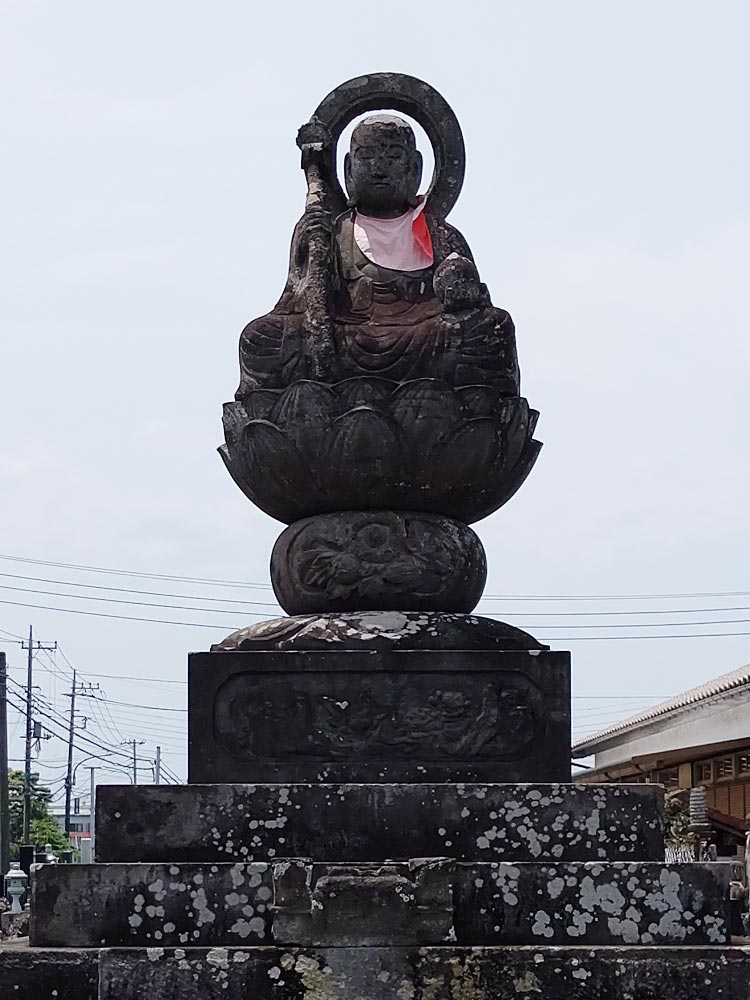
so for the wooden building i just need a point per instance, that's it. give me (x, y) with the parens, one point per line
(700, 737)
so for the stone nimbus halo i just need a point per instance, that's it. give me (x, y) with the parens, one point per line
(410, 96)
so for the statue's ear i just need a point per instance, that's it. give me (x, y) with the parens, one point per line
(417, 169)
(348, 174)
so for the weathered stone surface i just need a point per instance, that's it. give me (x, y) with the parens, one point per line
(378, 630)
(433, 901)
(405, 903)
(148, 904)
(424, 901)
(427, 974)
(367, 443)
(434, 973)
(378, 560)
(592, 903)
(379, 716)
(376, 822)
(48, 974)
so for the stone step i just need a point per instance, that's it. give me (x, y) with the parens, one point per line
(590, 903)
(150, 904)
(426, 901)
(267, 973)
(497, 822)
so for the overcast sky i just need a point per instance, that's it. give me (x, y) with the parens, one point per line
(151, 183)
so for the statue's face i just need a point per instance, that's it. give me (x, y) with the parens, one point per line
(383, 169)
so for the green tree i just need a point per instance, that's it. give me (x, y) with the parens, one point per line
(43, 829)
(47, 831)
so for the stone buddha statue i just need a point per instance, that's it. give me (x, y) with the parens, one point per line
(385, 288)
(378, 413)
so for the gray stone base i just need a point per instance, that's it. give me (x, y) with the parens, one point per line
(571, 973)
(425, 902)
(350, 823)
(369, 715)
(48, 973)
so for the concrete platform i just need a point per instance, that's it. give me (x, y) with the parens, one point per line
(375, 822)
(424, 902)
(447, 973)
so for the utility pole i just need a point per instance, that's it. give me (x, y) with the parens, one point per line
(92, 807)
(29, 732)
(157, 767)
(69, 775)
(4, 800)
(135, 744)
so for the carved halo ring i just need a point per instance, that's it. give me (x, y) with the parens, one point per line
(413, 97)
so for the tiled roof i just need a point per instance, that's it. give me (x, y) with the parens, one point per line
(719, 685)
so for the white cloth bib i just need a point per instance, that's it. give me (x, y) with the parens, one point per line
(391, 243)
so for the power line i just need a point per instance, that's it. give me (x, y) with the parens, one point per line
(130, 572)
(274, 606)
(617, 638)
(101, 614)
(124, 677)
(262, 586)
(717, 621)
(214, 626)
(83, 750)
(61, 722)
(120, 600)
(149, 708)
(128, 590)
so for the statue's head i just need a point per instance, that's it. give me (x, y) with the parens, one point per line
(383, 167)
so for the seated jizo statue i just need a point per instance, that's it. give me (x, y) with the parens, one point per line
(378, 413)
(384, 288)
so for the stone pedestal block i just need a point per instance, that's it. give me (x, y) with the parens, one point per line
(471, 822)
(47, 973)
(151, 904)
(591, 903)
(379, 716)
(424, 901)
(437, 973)
(364, 905)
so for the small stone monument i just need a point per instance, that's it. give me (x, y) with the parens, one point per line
(379, 802)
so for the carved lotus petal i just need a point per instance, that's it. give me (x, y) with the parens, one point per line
(281, 479)
(234, 418)
(363, 446)
(428, 408)
(258, 403)
(473, 449)
(369, 443)
(305, 411)
(364, 391)
(513, 419)
(478, 400)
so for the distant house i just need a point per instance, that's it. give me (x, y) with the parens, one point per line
(700, 737)
(80, 821)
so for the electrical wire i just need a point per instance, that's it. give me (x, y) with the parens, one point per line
(99, 614)
(262, 586)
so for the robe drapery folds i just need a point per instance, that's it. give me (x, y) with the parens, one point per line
(384, 321)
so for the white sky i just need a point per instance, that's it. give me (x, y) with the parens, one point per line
(151, 183)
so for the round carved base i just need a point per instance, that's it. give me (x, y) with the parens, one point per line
(377, 561)
(381, 630)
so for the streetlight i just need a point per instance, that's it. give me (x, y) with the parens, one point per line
(92, 788)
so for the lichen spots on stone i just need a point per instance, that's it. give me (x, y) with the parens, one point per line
(527, 983)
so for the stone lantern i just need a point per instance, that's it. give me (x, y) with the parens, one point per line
(16, 882)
